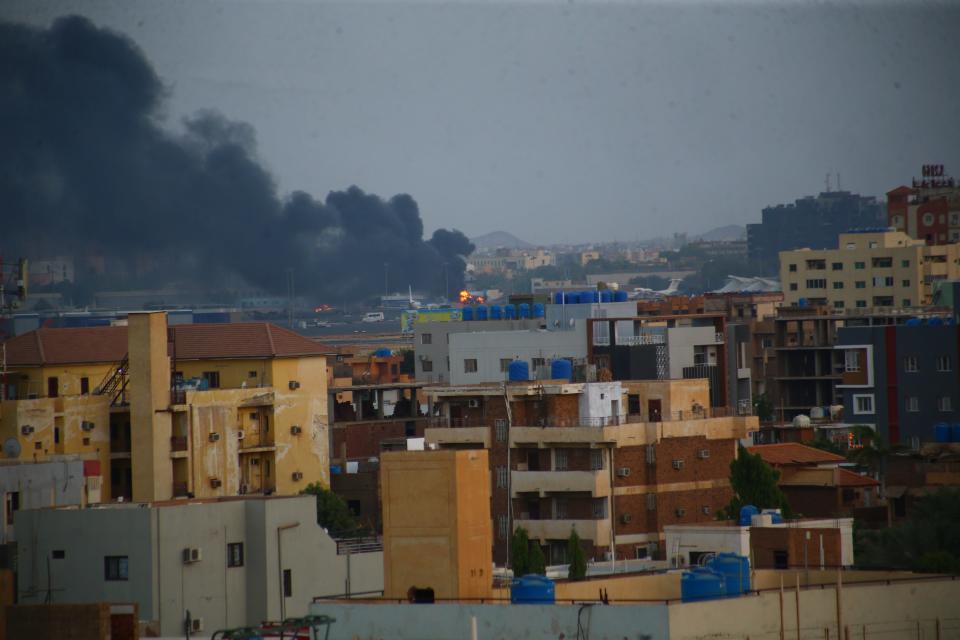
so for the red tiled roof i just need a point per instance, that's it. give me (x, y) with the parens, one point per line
(847, 478)
(789, 453)
(191, 342)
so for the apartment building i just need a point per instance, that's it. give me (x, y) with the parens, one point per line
(870, 269)
(929, 209)
(616, 461)
(431, 343)
(189, 410)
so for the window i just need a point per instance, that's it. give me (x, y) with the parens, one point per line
(860, 284)
(651, 454)
(861, 304)
(501, 477)
(12, 505)
(904, 283)
(767, 343)
(537, 363)
(793, 286)
(816, 265)
(837, 266)
(505, 364)
(470, 365)
(863, 404)
(116, 568)
(212, 378)
(56, 435)
(851, 361)
(882, 263)
(883, 281)
(596, 459)
(859, 265)
(874, 244)
(651, 501)
(904, 263)
(287, 583)
(913, 404)
(53, 387)
(251, 374)
(943, 363)
(838, 304)
(559, 459)
(641, 553)
(906, 302)
(945, 404)
(819, 283)
(793, 268)
(84, 386)
(501, 526)
(235, 554)
(58, 554)
(355, 507)
(910, 364)
(600, 508)
(838, 285)
(883, 301)
(500, 426)
(426, 365)
(426, 338)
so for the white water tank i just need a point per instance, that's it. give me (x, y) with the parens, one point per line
(761, 520)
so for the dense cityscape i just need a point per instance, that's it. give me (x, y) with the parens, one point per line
(231, 413)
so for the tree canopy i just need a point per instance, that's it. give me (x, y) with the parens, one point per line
(333, 513)
(753, 482)
(576, 557)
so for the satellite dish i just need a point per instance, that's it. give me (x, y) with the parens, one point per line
(11, 448)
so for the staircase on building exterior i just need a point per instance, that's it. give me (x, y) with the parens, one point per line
(114, 384)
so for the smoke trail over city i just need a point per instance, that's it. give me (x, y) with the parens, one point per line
(87, 170)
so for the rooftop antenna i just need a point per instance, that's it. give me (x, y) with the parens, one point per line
(827, 182)
(839, 188)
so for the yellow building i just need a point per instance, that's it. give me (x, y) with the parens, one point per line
(868, 270)
(205, 410)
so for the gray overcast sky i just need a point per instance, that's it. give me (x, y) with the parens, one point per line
(564, 122)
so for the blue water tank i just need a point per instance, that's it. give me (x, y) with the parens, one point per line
(595, 296)
(539, 310)
(510, 311)
(586, 297)
(561, 369)
(735, 570)
(955, 432)
(935, 322)
(570, 298)
(496, 312)
(558, 297)
(802, 302)
(913, 322)
(523, 310)
(941, 432)
(701, 584)
(383, 353)
(481, 312)
(747, 512)
(532, 589)
(519, 370)
(606, 296)
(466, 313)
(620, 296)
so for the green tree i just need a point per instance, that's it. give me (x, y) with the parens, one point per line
(576, 557)
(753, 482)
(520, 552)
(333, 513)
(763, 407)
(538, 563)
(825, 444)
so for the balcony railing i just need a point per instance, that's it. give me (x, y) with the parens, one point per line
(596, 483)
(349, 546)
(596, 530)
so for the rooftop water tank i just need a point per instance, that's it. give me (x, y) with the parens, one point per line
(594, 296)
(775, 516)
(606, 296)
(816, 413)
(942, 432)
(539, 310)
(761, 520)
(747, 512)
(701, 584)
(481, 312)
(955, 432)
(620, 296)
(558, 297)
(383, 353)
(532, 589)
(570, 298)
(523, 310)
(510, 311)
(496, 312)
(913, 322)
(519, 370)
(561, 369)
(801, 421)
(735, 570)
(935, 322)
(466, 314)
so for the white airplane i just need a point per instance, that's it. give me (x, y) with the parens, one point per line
(413, 303)
(642, 293)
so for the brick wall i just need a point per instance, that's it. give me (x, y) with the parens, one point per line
(765, 541)
(66, 621)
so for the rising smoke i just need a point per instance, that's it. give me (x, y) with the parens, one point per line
(86, 169)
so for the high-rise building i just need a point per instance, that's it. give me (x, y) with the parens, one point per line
(929, 209)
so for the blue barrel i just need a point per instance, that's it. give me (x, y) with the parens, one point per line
(523, 310)
(955, 432)
(935, 322)
(466, 313)
(913, 322)
(532, 589)
(747, 512)
(620, 296)
(539, 310)
(561, 369)
(570, 298)
(383, 353)
(606, 296)
(735, 570)
(701, 584)
(519, 370)
(496, 312)
(510, 311)
(586, 297)
(942, 432)
(481, 312)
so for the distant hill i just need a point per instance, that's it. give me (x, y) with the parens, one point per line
(724, 234)
(496, 239)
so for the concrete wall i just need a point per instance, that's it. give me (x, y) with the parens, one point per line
(46, 484)
(602, 400)
(680, 344)
(439, 348)
(559, 315)
(489, 348)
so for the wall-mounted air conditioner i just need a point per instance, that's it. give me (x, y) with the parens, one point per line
(473, 403)
(296, 430)
(623, 472)
(678, 464)
(294, 385)
(215, 483)
(87, 426)
(703, 454)
(297, 476)
(213, 437)
(626, 518)
(191, 555)
(26, 429)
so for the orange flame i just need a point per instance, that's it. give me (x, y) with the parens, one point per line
(464, 296)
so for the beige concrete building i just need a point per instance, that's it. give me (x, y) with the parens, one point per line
(868, 270)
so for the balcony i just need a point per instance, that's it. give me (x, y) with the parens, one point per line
(596, 483)
(596, 530)
(455, 436)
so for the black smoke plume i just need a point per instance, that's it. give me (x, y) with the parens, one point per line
(87, 170)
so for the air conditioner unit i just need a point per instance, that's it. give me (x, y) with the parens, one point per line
(681, 512)
(297, 476)
(294, 385)
(623, 472)
(703, 454)
(191, 555)
(626, 518)
(705, 509)
(213, 437)
(473, 403)
(240, 434)
(196, 625)
(678, 464)
(87, 426)
(296, 430)
(26, 429)
(215, 483)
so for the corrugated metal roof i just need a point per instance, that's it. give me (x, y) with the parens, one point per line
(789, 453)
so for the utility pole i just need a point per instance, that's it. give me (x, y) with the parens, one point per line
(386, 279)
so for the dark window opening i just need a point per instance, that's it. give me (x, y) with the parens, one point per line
(287, 583)
(13, 505)
(235, 554)
(53, 387)
(116, 568)
(780, 559)
(212, 378)
(84, 386)
(58, 554)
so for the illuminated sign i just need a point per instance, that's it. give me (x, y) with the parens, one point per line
(933, 177)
